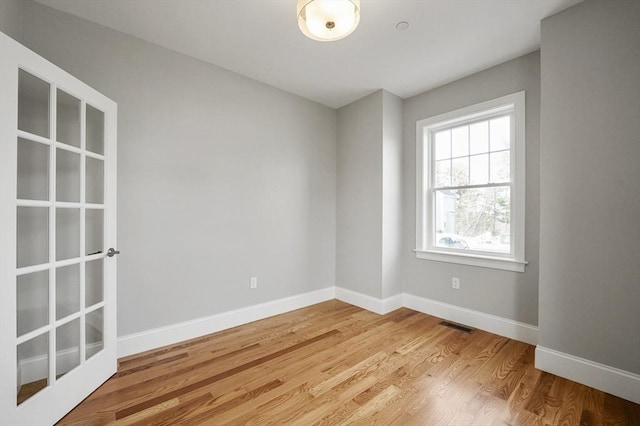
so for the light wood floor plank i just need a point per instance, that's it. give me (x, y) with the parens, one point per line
(336, 364)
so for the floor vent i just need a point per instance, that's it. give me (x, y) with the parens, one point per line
(456, 326)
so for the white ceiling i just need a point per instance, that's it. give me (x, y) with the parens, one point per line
(446, 40)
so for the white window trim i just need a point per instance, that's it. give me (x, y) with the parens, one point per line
(424, 203)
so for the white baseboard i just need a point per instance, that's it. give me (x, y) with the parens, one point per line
(608, 379)
(373, 304)
(162, 336)
(392, 303)
(494, 324)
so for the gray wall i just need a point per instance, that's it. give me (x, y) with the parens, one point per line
(220, 177)
(391, 194)
(506, 294)
(359, 196)
(10, 13)
(369, 195)
(590, 185)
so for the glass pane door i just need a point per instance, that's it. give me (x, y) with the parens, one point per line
(60, 234)
(57, 216)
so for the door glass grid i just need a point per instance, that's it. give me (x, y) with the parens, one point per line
(55, 231)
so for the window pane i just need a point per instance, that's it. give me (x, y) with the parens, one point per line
(95, 130)
(460, 141)
(500, 166)
(94, 282)
(479, 169)
(67, 233)
(443, 173)
(94, 332)
(460, 174)
(33, 170)
(94, 230)
(443, 145)
(32, 376)
(68, 119)
(67, 347)
(32, 293)
(445, 203)
(67, 176)
(500, 133)
(33, 104)
(67, 290)
(94, 181)
(479, 133)
(33, 236)
(473, 219)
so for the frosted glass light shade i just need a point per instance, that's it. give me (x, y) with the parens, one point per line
(328, 20)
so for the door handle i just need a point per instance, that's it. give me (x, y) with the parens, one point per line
(112, 252)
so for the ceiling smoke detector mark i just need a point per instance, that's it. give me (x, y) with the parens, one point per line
(402, 26)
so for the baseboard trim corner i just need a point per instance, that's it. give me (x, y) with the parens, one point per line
(608, 379)
(494, 324)
(370, 303)
(151, 339)
(392, 303)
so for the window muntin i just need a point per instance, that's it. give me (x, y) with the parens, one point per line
(471, 184)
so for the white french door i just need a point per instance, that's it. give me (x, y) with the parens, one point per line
(57, 222)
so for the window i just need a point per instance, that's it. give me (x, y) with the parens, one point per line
(470, 185)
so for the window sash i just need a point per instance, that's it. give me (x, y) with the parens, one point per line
(430, 160)
(432, 236)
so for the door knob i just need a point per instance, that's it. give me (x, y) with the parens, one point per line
(112, 252)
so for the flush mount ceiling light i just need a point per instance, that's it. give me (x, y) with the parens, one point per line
(328, 20)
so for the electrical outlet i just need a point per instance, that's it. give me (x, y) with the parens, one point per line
(455, 283)
(254, 282)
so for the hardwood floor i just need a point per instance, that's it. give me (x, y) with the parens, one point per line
(334, 363)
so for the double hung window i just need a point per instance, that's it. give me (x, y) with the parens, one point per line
(470, 185)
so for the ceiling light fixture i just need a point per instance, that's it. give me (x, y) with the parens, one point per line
(328, 20)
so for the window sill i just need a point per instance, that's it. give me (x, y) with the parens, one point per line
(502, 263)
